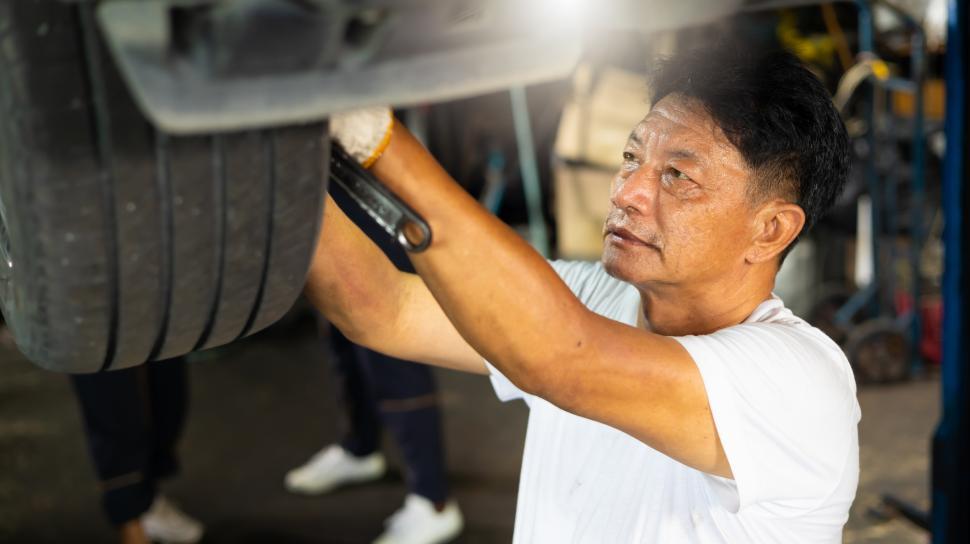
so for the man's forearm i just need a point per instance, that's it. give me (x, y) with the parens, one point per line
(363, 294)
(480, 270)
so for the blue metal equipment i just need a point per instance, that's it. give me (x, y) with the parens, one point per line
(951, 443)
(882, 342)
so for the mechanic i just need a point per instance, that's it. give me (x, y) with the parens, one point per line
(672, 397)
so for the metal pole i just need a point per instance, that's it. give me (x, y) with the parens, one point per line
(917, 69)
(866, 46)
(530, 171)
(951, 443)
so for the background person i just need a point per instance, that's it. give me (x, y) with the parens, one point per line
(132, 421)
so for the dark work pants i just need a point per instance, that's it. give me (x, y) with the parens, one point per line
(132, 420)
(381, 391)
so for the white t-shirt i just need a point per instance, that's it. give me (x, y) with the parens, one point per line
(784, 402)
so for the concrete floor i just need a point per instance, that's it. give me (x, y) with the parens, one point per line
(262, 406)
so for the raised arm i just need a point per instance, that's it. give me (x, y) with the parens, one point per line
(512, 307)
(357, 288)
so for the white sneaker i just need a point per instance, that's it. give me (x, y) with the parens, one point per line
(331, 468)
(417, 522)
(164, 522)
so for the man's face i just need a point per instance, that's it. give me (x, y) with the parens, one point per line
(680, 213)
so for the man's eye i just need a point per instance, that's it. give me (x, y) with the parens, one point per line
(678, 174)
(628, 157)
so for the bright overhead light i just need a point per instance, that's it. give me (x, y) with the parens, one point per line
(562, 13)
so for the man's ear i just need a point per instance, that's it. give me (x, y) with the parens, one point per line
(777, 224)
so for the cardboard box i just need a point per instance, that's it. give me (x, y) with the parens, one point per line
(594, 127)
(582, 203)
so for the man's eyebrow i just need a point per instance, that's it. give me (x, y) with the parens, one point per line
(683, 154)
(635, 137)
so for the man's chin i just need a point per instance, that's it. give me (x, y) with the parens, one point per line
(623, 269)
(629, 268)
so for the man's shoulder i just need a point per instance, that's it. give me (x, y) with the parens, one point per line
(781, 348)
(784, 402)
(773, 319)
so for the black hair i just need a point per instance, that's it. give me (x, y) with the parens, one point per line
(774, 111)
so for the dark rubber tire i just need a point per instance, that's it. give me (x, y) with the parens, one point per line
(125, 244)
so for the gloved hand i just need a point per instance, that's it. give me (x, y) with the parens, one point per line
(363, 133)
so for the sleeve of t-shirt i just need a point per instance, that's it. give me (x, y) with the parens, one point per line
(576, 275)
(784, 405)
(505, 390)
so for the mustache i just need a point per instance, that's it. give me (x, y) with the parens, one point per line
(618, 221)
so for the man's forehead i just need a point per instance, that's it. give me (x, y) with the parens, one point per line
(676, 119)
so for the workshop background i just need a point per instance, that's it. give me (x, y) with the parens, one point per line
(870, 275)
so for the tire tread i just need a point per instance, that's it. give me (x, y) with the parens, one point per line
(135, 245)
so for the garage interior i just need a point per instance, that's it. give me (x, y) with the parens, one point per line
(883, 274)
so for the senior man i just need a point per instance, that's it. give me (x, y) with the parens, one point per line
(672, 397)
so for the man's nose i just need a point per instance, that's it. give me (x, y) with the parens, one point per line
(637, 193)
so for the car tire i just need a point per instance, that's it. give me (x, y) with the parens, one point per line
(120, 244)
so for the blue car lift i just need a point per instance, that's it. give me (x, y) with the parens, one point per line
(950, 516)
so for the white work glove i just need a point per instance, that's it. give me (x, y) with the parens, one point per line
(363, 133)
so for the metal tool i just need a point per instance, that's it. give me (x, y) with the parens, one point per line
(391, 213)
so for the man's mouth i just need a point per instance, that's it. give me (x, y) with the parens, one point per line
(623, 236)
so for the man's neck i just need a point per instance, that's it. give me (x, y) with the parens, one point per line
(681, 310)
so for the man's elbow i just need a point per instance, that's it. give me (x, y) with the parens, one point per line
(376, 333)
(352, 311)
(552, 375)
(358, 335)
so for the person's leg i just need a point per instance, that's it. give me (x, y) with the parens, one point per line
(168, 389)
(356, 458)
(408, 402)
(167, 407)
(407, 399)
(361, 424)
(113, 407)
